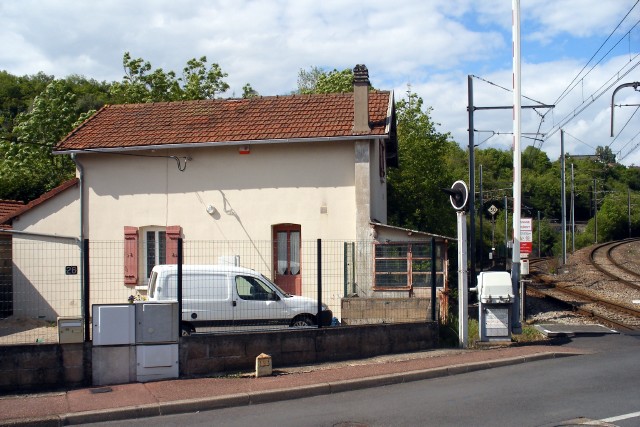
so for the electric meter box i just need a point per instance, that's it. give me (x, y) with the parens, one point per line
(113, 324)
(70, 330)
(495, 301)
(157, 362)
(157, 322)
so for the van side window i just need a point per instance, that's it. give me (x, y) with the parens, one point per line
(250, 288)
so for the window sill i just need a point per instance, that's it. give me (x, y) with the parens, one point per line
(142, 288)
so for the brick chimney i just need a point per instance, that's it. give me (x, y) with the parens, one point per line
(361, 99)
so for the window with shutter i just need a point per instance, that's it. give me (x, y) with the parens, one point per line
(158, 245)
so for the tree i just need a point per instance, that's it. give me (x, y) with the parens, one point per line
(249, 92)
(141, 84)
(415, 192)
(198, 82)
(318, 81)
(29, 168)
(605, 155)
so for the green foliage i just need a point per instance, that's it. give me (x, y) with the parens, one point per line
(142, 84)
(318, 81)
(414, 189)
(249, 92)
(28, 166)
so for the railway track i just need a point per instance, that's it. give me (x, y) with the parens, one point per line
(608, 293)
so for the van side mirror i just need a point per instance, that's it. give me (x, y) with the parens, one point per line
(273, 296)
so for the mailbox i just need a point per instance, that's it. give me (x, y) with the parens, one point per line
(495, 301)
(70, 330)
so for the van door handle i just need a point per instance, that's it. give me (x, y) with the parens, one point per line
(233, 303)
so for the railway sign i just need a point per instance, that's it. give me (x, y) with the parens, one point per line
(526, 235)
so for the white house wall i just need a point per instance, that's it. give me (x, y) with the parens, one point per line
(310, 184)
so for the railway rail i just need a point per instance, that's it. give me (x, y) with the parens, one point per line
(606, 296)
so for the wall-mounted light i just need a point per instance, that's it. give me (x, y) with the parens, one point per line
(210, 209)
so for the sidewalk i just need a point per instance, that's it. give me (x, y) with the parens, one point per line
(137, 400)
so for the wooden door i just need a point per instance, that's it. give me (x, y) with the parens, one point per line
(286, 258)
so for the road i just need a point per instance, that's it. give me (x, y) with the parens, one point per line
(603, 385)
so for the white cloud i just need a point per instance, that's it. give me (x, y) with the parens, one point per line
(432, 45)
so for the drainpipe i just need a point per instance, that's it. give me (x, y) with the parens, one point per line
(81, 238)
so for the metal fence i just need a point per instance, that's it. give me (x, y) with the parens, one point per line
(44, 279)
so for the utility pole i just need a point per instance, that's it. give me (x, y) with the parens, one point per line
(472, 222)
(517, 169)
(634, 85)
(563, 194)
(573, 213)
(481, 211)
(595, 209)
(472, 188)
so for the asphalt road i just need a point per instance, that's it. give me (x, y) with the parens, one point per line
(604, 385)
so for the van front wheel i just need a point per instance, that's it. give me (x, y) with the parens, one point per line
(186, 329)
(302, 321)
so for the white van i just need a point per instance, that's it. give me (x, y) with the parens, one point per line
(224, 295)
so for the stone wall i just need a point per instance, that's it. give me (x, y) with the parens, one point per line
(202, 355)
(26, 368)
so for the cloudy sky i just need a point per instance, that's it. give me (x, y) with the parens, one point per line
(574, 54)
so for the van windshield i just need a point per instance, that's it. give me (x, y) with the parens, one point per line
(275, 286)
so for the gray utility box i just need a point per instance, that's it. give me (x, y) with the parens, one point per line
(135, 342)
(157, 322)
(495, 298)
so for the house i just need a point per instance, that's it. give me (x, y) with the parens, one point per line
(264, 177)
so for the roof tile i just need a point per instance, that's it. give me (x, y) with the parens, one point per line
(225, 120)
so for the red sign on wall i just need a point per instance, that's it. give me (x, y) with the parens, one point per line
(526, 247)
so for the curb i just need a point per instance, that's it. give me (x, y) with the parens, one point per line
(254, 398)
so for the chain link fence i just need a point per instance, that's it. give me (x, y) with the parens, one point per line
(41, 280)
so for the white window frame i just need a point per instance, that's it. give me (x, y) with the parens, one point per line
(157, 249)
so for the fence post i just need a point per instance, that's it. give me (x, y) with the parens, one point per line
(179, 284)
(346, 268)
(85, 290)
(319, 316)
(433, 279)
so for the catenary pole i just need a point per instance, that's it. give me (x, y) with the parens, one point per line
(517, 170)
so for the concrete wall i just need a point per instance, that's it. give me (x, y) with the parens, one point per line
(367, 311)
(26, 368)
(207, 355)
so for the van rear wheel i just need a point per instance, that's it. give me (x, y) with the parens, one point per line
(302, 321)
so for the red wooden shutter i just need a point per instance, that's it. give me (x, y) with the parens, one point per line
(173, 234)
(130, 255)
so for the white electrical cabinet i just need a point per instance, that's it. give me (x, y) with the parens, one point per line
(156, 362)
(113, 324)
(495, 300)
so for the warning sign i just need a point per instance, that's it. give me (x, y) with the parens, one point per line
(526, 235)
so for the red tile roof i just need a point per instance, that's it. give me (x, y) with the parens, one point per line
(5, 218)
(6, 208)
(226, 120)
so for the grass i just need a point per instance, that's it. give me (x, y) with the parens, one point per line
(449, 334)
